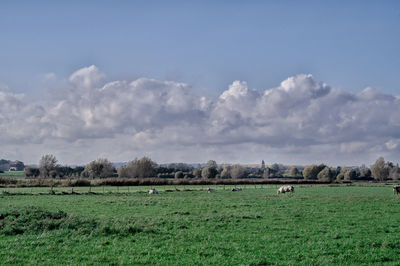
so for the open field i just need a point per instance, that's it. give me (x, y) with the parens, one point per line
(13, 174)
(128, 189)
(317, 225)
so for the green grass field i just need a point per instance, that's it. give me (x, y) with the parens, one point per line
(317, 225)
(13, 174)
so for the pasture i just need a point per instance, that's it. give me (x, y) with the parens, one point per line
(13, 174)
(317, 225)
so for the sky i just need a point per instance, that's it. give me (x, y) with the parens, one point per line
(293, 82)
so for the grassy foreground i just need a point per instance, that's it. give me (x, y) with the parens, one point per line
(318, 225)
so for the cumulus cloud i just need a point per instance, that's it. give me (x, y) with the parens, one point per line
(86, 77)
(299, 121)
(20, 121)
(120, 107)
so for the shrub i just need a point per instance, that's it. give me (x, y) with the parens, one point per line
(340, 177)
(210, 171)
(294, 172)
(326, 174)
(395, 173)
(123, 171)
(350, 174)
(312, 171)
(365, 173)
(140, 168)
(238, 171)
(197, 173)
(226, 172)
(100, 168)
(79, 183)
(8, 181)
(179, 175)
(31, 172)
(269, 172)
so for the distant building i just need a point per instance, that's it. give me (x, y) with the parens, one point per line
(262, 164)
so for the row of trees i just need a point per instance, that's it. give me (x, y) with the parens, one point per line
(49, 168)
(100, 168)
(146, 168)
(380, 170)
(325, 173)
(5, 165)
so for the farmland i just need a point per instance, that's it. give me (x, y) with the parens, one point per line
(316, 225)
(13, 174)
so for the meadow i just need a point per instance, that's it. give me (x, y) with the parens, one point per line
(13, 174)
(319, 224)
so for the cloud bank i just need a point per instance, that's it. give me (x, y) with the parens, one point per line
(299, 121)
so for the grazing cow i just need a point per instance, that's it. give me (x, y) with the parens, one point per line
(396, 189)
(284, 189)
(211, 190)
(153, 191)
(236, 189)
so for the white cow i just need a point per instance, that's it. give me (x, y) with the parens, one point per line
(153, 191)
(211, 190)
(284, 189)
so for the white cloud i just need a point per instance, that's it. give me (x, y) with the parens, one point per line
(392, 144)
(86, 77)
(300, 121)
(20, 121)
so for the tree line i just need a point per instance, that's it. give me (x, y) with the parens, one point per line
(147, 168)
(5, 165)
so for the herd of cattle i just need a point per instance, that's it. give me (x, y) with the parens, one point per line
(281, 190)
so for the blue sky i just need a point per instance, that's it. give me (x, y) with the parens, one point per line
(294, 82)
(208, 44)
